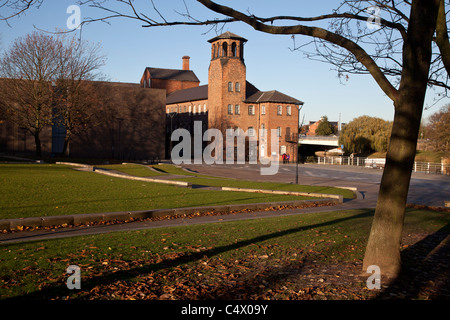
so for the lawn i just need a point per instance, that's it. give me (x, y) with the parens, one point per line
(48, 190)
(132, 169)
(204, 180)
(309, 256)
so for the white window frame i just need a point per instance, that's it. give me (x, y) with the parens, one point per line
(278, 131)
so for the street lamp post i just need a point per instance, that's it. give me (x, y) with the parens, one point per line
(299, 107)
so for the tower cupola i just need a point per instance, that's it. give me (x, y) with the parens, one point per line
(227, 45)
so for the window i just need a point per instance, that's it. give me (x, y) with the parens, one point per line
(190, 109)
(251, 132)
(237, 87)
(279, 110)
(204, 108)
(251, 110)
(225, 49)
(279, 132)
(184, 108)
(230, 86)
(233, 49)
(195, 109)
(288, 110)
(263, 109)
(237, 109)
(230, 109)
(263, 129)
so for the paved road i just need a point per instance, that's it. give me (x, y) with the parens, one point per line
(425, 189)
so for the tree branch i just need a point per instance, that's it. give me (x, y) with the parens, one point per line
(360, 54)
(442, 39)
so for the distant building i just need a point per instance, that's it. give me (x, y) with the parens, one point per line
(312, 127)
(228, 101)
(132, 127)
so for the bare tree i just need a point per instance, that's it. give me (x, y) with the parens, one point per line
(15, 8)
(407, 51)
(77, 103)
(29, 68)
(46, 81)
(438, 129)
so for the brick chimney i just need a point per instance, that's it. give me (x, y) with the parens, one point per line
(186, 63)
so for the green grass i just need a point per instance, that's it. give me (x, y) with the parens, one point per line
(430, 156)
(48, 190)
(174, 170)
(204, 180)
(198, 256)
(132, 169)
(421, 156)
(222, 182)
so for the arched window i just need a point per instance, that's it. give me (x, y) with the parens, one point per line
(233, 49)
(214, 51)
(224, 49)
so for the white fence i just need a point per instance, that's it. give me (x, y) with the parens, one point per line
(378, 163)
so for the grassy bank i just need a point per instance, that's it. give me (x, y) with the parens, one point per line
(48, 190)
(204, 180)
(310, 256)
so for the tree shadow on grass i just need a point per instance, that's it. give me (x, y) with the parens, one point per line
(425, 270)
(59, 290)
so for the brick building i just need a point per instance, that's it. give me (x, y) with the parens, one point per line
(228, 101)
(129, 125)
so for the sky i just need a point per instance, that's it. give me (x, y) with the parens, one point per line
(271, 64)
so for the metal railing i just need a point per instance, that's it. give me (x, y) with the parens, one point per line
(378, 163)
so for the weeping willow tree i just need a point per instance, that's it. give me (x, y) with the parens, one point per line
(366, 135)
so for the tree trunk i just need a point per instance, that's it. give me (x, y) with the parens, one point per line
(37, 141)
(383, 248)
(66, 147)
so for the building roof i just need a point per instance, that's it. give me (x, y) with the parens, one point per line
(228, 35)
(272, 96)
(172, 74)
(186, 95)
(201, 93)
